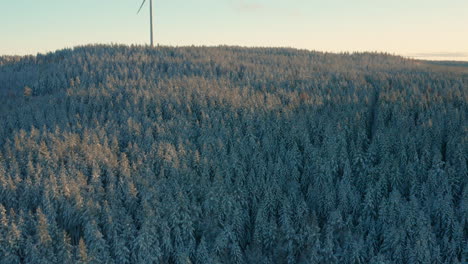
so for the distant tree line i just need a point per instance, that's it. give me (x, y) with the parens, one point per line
(118, 154)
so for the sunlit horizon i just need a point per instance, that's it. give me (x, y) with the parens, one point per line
(436, 56)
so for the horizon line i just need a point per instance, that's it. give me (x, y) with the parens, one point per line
(429, 56)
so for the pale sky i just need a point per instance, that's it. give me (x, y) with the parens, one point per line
(431, 29)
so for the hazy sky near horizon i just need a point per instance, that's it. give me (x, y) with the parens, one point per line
(433, 29)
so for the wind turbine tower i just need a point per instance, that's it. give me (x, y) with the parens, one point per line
(151, 19)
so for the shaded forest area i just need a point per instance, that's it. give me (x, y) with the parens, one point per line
(118, 154)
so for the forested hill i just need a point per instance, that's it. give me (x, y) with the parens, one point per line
(117, 154)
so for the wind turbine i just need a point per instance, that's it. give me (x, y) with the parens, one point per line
(151, 18)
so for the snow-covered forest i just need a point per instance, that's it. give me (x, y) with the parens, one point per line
(118, 154)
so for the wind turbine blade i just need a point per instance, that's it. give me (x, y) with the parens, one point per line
(144, 1)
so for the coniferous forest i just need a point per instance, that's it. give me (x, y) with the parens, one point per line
(119, 154)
